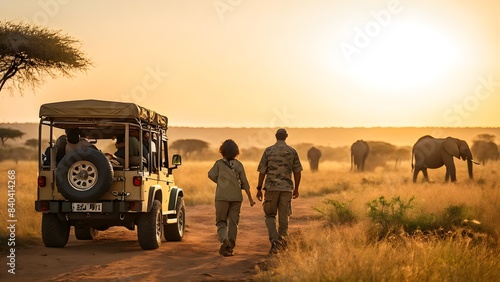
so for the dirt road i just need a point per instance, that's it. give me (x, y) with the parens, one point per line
(115, 253)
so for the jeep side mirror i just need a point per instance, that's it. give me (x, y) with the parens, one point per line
(176, 160)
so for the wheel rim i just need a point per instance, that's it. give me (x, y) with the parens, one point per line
(82, 175)
(180, 222)
(158, 226)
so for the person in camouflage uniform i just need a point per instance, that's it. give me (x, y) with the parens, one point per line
(276, 166)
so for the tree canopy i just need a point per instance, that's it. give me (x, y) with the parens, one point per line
(33, 142)
(8, 133)
(28, 53)
(485, 137)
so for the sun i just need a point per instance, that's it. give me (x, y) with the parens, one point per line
(405, 56)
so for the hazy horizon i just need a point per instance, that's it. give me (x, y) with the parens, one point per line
(328, 137)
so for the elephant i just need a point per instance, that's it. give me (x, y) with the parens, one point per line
(430, 152)
(189, 146)
(313, 156)
(359, 153)
(484, 151)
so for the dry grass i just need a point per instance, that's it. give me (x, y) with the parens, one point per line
(28, 221)
(343, 253)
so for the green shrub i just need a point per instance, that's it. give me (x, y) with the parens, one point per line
(460, 219)
(389, 217)
(422, 223)
(337, 213)
(454, 215)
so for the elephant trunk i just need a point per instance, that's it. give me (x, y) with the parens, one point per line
(469, 167)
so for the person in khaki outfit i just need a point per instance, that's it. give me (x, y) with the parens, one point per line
(276, 166)
(229, 174)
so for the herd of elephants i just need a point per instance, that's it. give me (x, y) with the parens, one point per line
(428, 152)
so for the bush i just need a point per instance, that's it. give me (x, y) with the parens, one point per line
(389, 217)
(337, 213)
(454, 215)
(422, 223)
(459, 219)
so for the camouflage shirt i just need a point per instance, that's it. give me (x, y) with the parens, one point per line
(278, 162)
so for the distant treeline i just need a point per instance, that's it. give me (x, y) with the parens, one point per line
(199, 150)
(381, 153)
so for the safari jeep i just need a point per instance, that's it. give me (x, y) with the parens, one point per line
(90, 188)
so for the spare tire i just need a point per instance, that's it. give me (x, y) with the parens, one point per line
(84, 175)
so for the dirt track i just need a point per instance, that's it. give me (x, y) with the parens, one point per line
(115, 254)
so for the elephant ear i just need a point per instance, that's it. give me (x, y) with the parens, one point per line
(451, 147)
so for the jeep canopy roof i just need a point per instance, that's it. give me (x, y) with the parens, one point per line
(98, 109)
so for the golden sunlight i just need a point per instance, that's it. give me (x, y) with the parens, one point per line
(405, 56)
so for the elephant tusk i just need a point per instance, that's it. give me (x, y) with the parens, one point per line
(474, 162)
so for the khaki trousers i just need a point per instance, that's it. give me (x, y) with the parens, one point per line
(227, 217)
(277, 203)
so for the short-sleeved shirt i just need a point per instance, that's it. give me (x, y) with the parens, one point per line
(230, 178)
(278, 162)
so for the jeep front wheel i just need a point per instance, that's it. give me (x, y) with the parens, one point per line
(55, 232)
(149, 227)
(175, 231)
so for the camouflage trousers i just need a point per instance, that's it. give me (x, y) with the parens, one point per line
(277, 203)
(227, 217)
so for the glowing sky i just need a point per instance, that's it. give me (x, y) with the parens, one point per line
(241, 63)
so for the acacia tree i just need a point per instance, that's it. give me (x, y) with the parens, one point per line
(28, 52)
(7, 133)
(485, 137)
(33, 142)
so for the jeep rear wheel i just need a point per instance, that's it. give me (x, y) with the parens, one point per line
(175, 231)
(84, 175)
(149, 227)
(55, 232)
(85, 233)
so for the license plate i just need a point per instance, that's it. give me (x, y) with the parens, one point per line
(86, 207)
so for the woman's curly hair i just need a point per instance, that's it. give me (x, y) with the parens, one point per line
(229, 149)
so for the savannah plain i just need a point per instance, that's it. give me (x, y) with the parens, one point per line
(375, 225)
